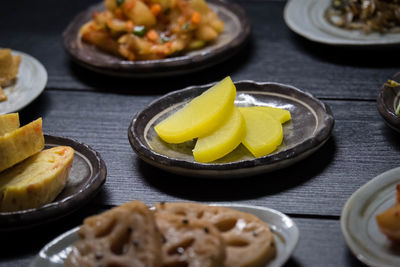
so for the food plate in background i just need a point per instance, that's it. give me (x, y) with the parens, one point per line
(310, 127)
(307, 18)
(87, 175)
(387, 102)
(358, 221)
(29, 84)
(235, 34)
(285, 231)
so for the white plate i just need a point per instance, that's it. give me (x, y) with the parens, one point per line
(29, 84)
(285, 232)
(307, 18)
(358, 221)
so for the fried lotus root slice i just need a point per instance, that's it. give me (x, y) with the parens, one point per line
(248, 240)
(190, 243)
(126, 235)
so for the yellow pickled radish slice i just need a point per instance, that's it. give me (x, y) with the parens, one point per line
(223, 140)
(263, 132)
(200, 116)
(280, 114)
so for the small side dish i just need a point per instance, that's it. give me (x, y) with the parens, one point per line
(220, 126)
(391, 83)
(29, 176)
(9, 66)
(368, 15)
(156, 29)
(173, 234)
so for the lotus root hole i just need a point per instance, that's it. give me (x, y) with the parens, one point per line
(237, 243)
(182, 246)
(226, 225)
(181, 212)
(120, 244)
(200, 214)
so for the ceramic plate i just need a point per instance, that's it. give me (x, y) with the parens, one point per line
(286, 235)
(29, 84)
(359, 225)
(87, 175)
(235, 34)
(387, 102)
(310, 127)
(307, 18)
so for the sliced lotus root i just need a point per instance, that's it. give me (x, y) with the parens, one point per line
(248, 240)
(126, 235)
(190, 243)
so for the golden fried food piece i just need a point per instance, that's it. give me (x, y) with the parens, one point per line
(248, 240)
(35, 181)
(389, 221)
(191, 243)
(3, 96)
(123, 236)
(9, 65)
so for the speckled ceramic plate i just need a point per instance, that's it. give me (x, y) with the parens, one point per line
(234, 36)
(311, 126)
(29, 84)
(358, 221)
(307, 18)
(387, 102)
(286, 235)
(87, 175)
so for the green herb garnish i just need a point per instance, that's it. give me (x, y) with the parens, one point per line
(120, 2)
(392, 83)
(139, 31)
(186, 26)
(196, 44)
(164, 37)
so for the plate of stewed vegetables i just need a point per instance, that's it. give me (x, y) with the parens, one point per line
(137, 38)
(227, 129)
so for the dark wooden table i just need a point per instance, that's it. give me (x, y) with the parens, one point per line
(97, 110)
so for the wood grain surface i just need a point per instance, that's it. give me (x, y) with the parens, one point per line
(97, 110)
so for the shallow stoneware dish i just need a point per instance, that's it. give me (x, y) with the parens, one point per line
(285, 231)
(358, 221)
(307, 18)
(310, 127)
(236, 32)
(387, 102)
(87, 175)
(29, 84)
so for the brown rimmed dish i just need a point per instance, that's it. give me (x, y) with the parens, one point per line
(87, 175)
(310, 127)
(236, 32)
(387, 102)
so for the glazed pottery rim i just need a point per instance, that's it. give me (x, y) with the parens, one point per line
(351, 204)
(282, 226)
(389, 116)
(160, 67)
(319, 137)
(56, 209)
